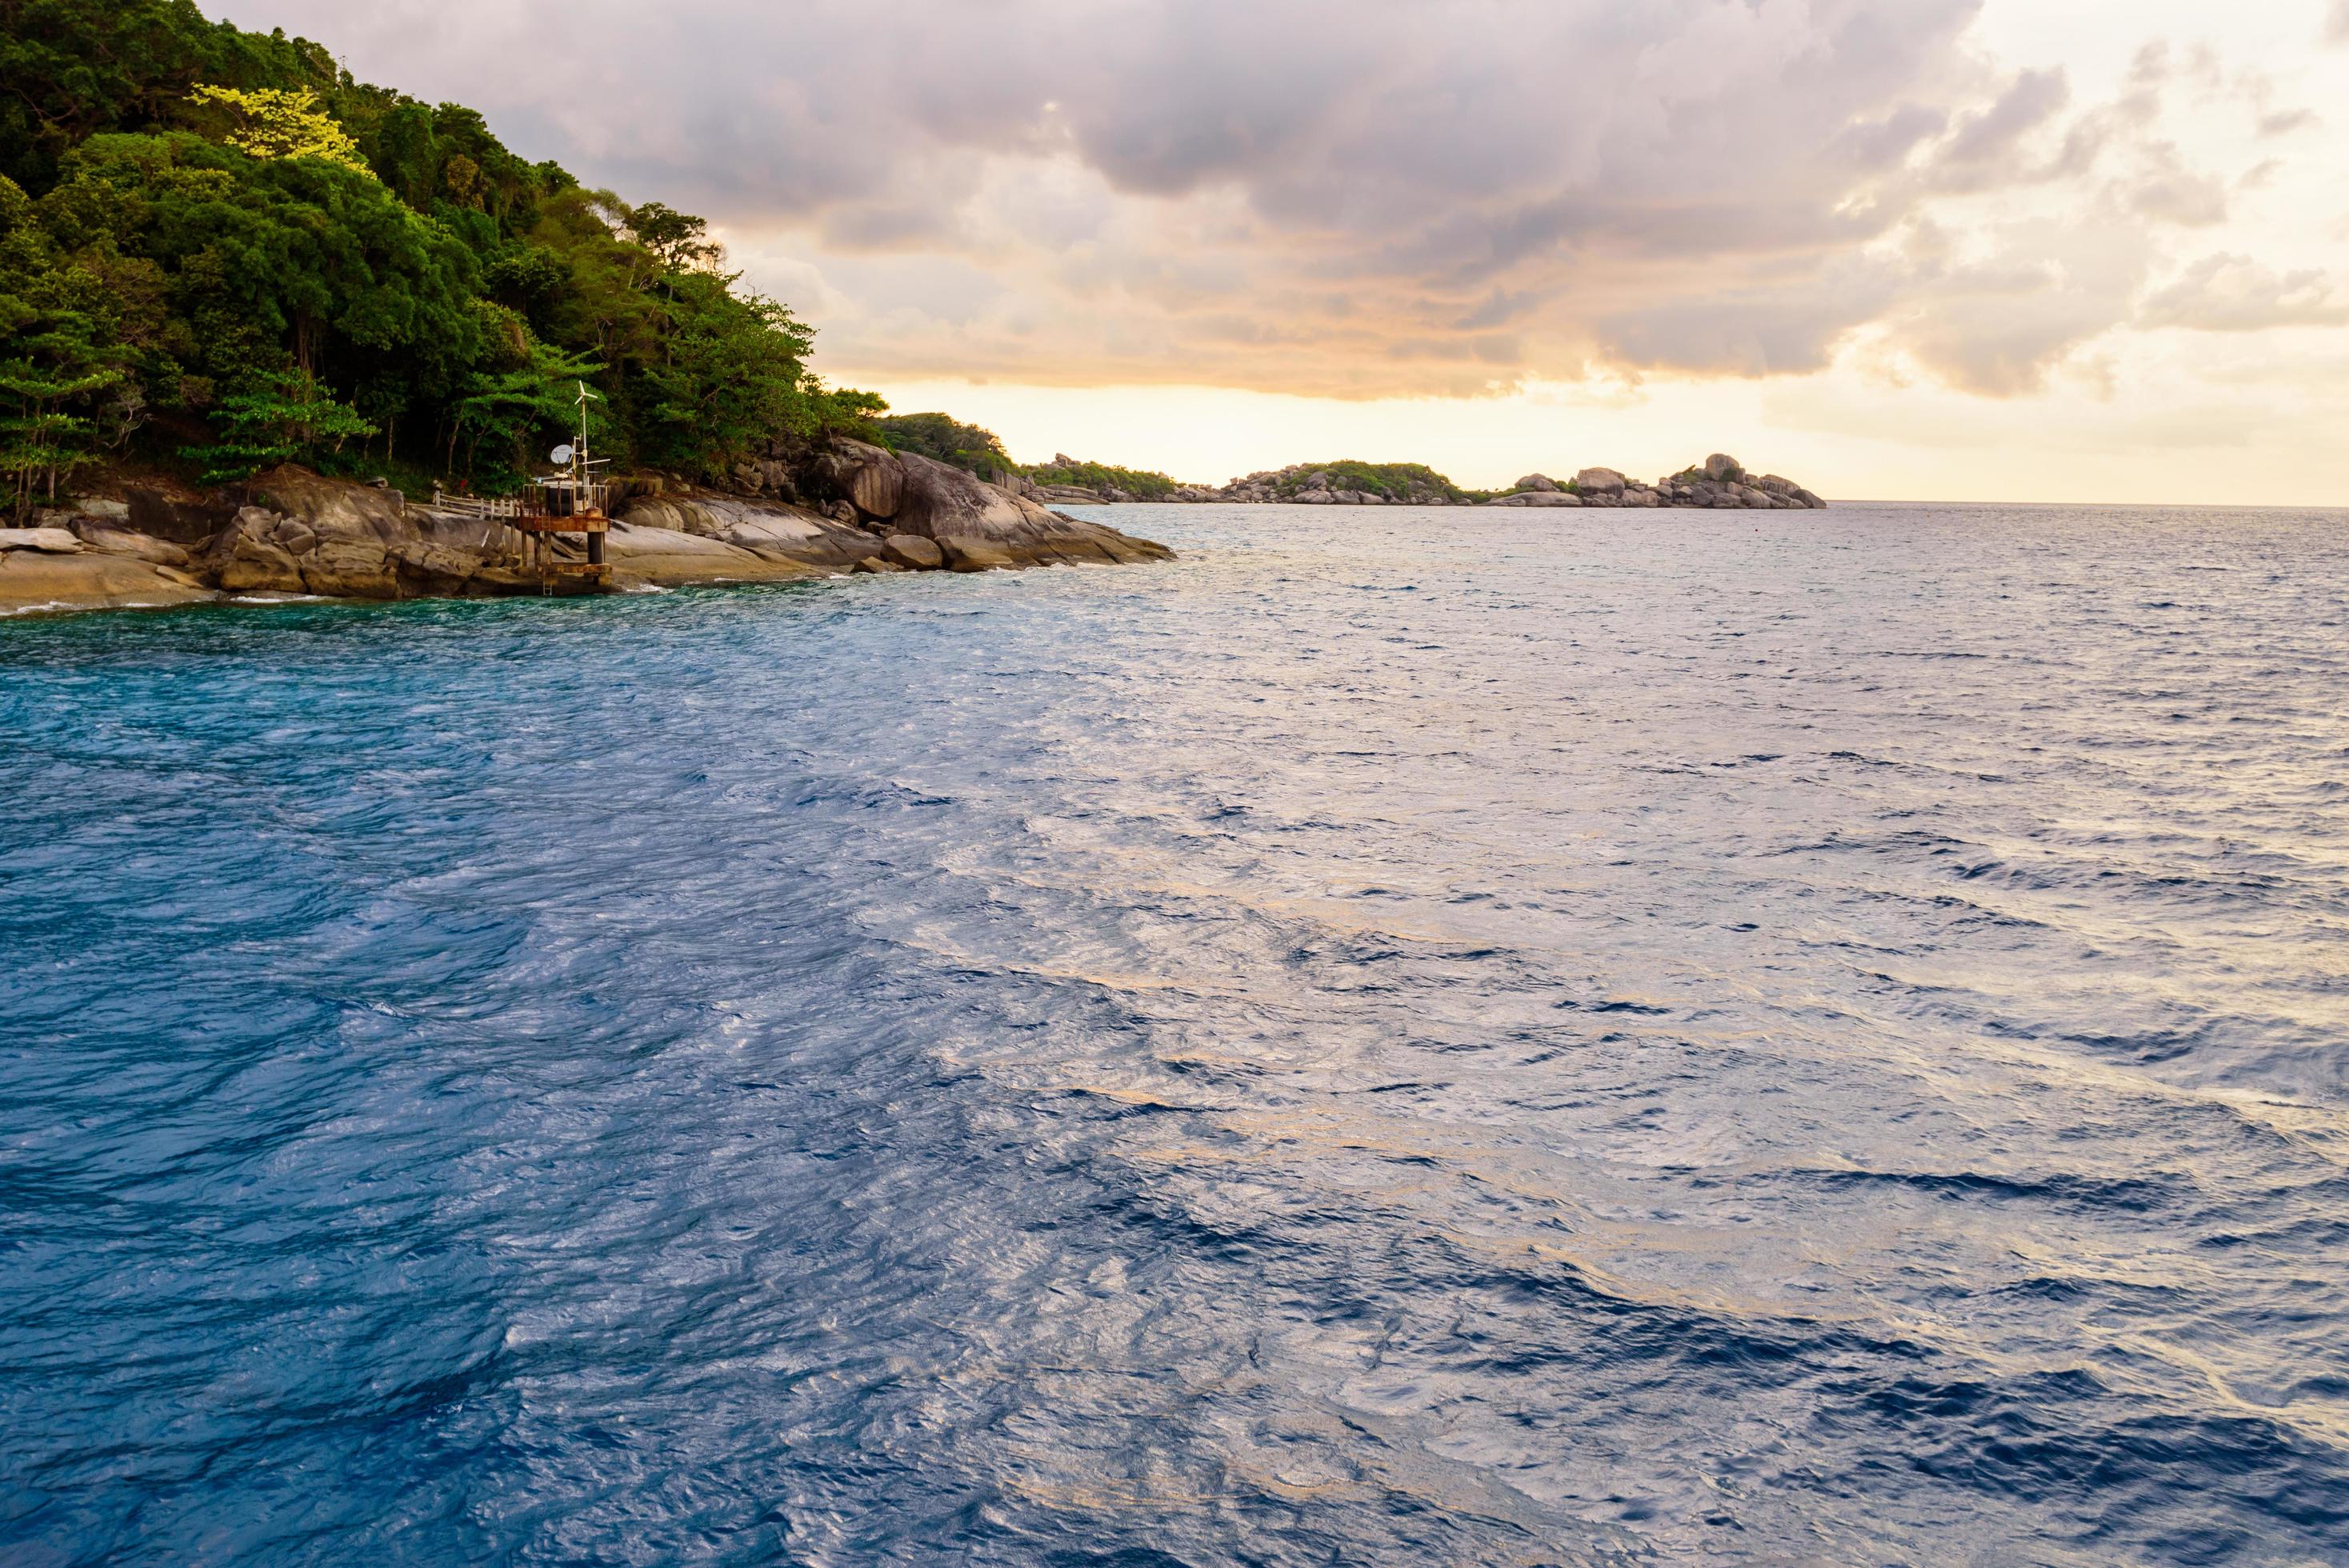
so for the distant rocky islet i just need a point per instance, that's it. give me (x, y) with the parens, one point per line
(1720, 483)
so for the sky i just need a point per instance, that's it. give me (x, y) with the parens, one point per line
(1984, 250)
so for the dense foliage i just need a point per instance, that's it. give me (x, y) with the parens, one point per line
(218, 250)
(1396, 481)
(948, 439)
(1140, 483)
(981, 452)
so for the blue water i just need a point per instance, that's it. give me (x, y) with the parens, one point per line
(1411, 1037)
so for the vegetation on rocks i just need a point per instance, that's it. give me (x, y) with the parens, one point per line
(219, 250)
(980, 451)
(946, 440)
(1140, 484)
(1349, 480)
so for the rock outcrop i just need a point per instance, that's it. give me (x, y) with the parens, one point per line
(975, 525)
(853, 506)
(1719, 482)
(1311, 484)
(52, 567)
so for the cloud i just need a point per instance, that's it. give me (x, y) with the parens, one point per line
(2336, 25)
(1990, 135)
(1374, 199)
(2164, 190)
(1998, 326)
(1788, 329)
(2234, 293)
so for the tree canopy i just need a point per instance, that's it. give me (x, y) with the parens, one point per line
(217, 248)
(949, 440)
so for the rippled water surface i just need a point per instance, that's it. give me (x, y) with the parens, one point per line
(1410, 1037)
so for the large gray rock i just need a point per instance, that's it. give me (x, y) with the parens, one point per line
(970, 552)
(914, 553)
(1535, 482)
(773, 530)
(1598, 482)
(1786, 492)
(1723, 468)
(875, 480)
(181, 519)
(99, 535)
(669, 558)
(348, 569)
(256, 566)
(35, 580)
(335, 509)
(1537, 498)
(48, 540)
(297, 536)
(434, 570)
(942, 502)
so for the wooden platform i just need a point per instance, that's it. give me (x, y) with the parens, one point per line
(539, 530)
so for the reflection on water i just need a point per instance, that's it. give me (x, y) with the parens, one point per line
(1402, 1037)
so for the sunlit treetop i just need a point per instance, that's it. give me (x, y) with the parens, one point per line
(274, 124)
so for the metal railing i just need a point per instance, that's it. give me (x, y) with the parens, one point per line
(567, 498)
(477, 506)
(557, 498)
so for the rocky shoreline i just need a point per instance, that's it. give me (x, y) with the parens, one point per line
(291, 533)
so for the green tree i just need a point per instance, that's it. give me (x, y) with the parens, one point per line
(732, 375)
(948, 439)
(679, 241)
(57, 357)
(276, 419)
(268, 122)
(70, 70)
(275, 259)
(529, 391)
(1139, 482)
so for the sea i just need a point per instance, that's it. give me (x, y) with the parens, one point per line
(1413, 1037)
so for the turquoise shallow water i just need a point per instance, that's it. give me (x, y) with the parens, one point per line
(1401, 1036)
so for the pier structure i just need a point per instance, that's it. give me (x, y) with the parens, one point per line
(564, 504)
(571, 501)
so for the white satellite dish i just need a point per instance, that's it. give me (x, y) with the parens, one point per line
(559, 454)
